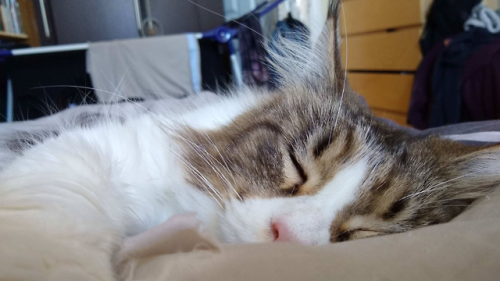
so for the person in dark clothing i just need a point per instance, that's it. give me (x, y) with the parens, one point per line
(421, 99)
(456, 81)
(446, 18)
(447, 74)
(481, 84)
(252, 51)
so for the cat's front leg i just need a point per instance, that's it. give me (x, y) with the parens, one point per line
(152, 242)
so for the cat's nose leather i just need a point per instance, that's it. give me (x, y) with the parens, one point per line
(281, 232)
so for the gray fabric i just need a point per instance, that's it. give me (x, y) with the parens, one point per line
(489, 137)
(149, 68)
(471, 133)
(464, 132)
(466, 128)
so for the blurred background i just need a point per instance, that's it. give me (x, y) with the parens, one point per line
(419, 63)
(425, 63)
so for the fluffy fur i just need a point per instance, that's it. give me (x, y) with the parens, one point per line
(307, 163)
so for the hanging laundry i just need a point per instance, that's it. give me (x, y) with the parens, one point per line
(484, 17)
(148, 68)
(252, 51)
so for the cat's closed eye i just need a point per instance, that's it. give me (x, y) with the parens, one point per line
(294, 175)
(354, 234)
(293, 190)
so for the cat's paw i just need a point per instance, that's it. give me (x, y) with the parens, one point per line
(154, 241)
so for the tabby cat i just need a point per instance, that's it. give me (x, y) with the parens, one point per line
(307, 163)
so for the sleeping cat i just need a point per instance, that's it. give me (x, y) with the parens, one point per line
(306, 163)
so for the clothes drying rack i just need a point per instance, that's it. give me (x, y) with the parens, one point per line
(221, 34)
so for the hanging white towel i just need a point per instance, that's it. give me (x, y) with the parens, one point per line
(483, 17)
(148, 68)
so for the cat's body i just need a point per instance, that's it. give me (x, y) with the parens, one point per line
(308, 163)
(111, 180)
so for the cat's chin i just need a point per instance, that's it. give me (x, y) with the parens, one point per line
(238, 240)
(237, 233)
(247, 222)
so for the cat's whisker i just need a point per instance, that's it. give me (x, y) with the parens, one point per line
(103, 74)
(437, 186)
(193, 169)
(369, 127)
(205, 183)
(222, 16)
(224, 165)
(210, 188)
(154, 115)
(207, 137)
(51, 110)
(216, 169)
(105, 91)
(211, 164)
(199, 150)
(117, 88)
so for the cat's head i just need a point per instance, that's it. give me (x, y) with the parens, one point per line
(311, 164)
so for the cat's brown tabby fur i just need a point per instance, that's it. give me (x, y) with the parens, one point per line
(313, 127)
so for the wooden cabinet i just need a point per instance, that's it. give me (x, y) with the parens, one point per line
(384, 51)
(362, 16)
(384, 92)
(12, 36)
(26, 19)
(381, 42)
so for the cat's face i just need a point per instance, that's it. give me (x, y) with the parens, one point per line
(311, 165)
(294, 169)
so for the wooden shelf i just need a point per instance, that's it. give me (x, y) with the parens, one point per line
(12, 37)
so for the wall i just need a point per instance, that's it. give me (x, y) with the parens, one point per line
(493, 4)
(78, 21)
(180, 16)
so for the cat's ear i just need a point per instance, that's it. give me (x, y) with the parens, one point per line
(333, 41)
(471, 172)
(457, 175)
(299, 64)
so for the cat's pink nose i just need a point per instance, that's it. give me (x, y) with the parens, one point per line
(281, 232)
